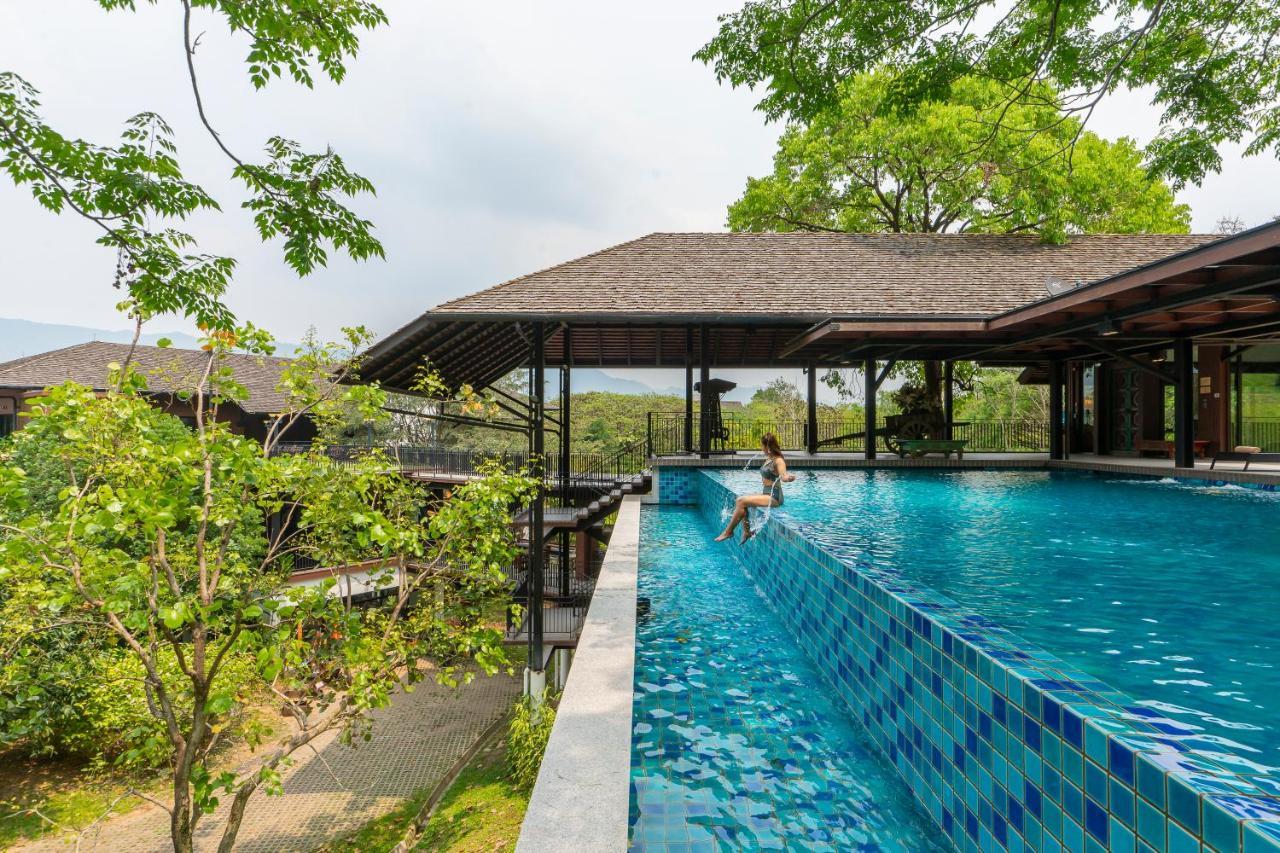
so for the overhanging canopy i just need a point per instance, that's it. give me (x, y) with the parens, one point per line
(787, 300)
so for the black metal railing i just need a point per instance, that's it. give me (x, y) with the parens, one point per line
(665, 435)
(565, 598)
(1261, 432)
(629, 460)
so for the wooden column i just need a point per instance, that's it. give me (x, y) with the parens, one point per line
(1237, 399)
(811, 419)
(1184, 405)
(688, 390)
(1055, 410)
(948, 398)
(704, 400)
(1213, 413)
(869, 407)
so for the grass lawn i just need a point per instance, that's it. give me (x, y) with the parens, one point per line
(481, 812)
(60, 790)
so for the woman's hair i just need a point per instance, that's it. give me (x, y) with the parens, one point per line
(769, 442)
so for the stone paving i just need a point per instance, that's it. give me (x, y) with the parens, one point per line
(335, 789)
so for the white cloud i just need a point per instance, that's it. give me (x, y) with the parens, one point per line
(503, 137)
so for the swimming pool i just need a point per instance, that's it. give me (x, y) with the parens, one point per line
(1167, 591)
(902, 587)
(738, 743)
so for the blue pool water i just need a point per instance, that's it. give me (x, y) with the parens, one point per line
(738, 744)
(1168, 592)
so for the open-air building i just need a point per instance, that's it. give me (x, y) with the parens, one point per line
(1144, 341)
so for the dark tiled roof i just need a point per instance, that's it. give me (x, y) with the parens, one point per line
(807, 274)
(167, 369)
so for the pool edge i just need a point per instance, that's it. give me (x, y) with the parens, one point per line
(1196, 804)
(582, 796)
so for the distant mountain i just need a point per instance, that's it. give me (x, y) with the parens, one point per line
(587, 379)
(19, 338)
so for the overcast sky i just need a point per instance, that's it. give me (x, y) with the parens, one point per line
(503, 137)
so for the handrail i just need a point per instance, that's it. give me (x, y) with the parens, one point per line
(665, 433)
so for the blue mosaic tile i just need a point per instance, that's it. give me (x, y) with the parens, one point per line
(1006, 745)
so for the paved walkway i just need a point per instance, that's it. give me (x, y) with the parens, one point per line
(335, 789)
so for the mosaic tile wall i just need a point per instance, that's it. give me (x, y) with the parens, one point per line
(1006, 746)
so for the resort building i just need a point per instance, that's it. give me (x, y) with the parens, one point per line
(847, 678)
(167, 370)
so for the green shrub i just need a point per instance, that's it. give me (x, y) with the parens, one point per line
(527, 740)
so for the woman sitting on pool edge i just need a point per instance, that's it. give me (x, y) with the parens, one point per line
(774, 473)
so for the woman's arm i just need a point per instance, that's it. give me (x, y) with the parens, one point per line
(783, 475)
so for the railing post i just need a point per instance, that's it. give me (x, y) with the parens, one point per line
(648, 433)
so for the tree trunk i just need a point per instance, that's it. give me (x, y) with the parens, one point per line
(180, 821)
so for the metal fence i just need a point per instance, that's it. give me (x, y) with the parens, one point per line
(1261, 432)
(628, 460)
(667, 431)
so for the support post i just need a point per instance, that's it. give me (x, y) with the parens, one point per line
(811, 415)
(1055, 410)
(948, 397)
(566, 454)
(688, 390)
(1184, 405)
(869, 407)
(536, 680)
(704, 400)
(1237, 399)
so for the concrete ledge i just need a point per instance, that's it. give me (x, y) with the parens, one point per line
(583, 793)
(1200, 472)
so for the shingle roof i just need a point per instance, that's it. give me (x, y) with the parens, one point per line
(167, 369)
(807, 274)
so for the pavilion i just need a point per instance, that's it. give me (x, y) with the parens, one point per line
(1140, 311)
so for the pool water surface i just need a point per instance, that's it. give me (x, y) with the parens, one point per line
(1165, 591)
(738, 743)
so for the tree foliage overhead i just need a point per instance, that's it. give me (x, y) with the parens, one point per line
(134, 191)
(1214, 67)
(862, 166)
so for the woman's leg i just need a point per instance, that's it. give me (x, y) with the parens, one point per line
(740, 513)
(769, 501)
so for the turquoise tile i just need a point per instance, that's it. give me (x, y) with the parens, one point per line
(1122, 840)
(1221, 828)
(1095, 743)
(1181, 841)
(1151, 824)
(1184, 804)
(1151, 780)
(1260, 837)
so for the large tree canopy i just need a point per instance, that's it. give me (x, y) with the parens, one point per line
(1214, 67)
(134, 191)
(859, 166)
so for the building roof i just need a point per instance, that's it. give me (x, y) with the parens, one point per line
(811, 275)
(166, 368)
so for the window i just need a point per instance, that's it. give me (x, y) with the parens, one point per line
(8, 415)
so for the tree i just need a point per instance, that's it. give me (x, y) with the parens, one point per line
(859, 166)
(134, 191)
(1212, 67)
(177, 545)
